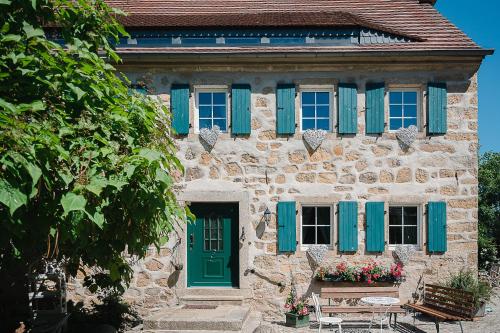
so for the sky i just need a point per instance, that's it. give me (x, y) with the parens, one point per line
(479, 20)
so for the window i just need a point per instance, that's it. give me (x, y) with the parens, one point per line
(403, 109)
(316, 110)
(316, 225)
(212, 109)
(404, 225)
(213, 228)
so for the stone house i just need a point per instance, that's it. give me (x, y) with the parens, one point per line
(265, 73)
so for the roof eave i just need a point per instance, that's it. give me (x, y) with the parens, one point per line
(315, 53)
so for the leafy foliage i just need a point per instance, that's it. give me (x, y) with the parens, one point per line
(467, 281)
(489, 209)
(86, 166)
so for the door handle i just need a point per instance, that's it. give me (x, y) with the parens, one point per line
(191, 241)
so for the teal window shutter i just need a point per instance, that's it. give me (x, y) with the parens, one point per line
(285, 109)
(375, 234)
(240, 109)
(287, 239)
(436, 227)
(374, 115)
(348, 109)
(437, 108)
(179, 106)
(348, 226)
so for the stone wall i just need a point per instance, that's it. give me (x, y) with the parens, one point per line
(269, 168)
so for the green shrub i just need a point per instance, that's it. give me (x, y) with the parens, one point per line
(468, 281)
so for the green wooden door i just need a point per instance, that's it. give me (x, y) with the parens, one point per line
(212, 248)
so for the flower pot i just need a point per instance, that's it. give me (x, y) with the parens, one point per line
(362, 283)
(481, 311)
(294, 320)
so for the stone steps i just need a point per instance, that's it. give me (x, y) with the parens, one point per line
(222, 318)
(211, 296)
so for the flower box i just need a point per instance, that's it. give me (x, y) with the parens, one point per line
(371, 274)
(297, 321)
(361, 283)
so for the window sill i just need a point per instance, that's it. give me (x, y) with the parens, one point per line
(414, 247)
(305, 248)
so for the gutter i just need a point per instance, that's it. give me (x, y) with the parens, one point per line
(193, 54)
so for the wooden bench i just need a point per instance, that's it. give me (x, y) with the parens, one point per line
(445, 304)
(355, 294)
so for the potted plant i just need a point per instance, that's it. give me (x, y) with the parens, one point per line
(297, 314)
(467, 281)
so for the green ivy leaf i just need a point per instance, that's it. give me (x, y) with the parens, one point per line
(32, 31)
(11, 38)
(11, 197)
(150, 154)
(98, 219)
(77, 90)
(71, 202)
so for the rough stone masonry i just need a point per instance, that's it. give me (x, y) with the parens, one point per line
(265, 168)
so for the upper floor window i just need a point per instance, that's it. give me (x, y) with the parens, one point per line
(316, 225)
(403, 108)
(404, 225)
(212, 109)
(316, 110)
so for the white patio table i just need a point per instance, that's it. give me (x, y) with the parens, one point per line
(382, 301)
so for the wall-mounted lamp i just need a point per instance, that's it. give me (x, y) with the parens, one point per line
(267, 215)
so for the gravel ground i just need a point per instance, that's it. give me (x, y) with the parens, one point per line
(489, 324)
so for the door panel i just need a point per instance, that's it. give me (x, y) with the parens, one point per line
(212, 252)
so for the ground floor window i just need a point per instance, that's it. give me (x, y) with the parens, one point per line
(316, 226)
(404, 225)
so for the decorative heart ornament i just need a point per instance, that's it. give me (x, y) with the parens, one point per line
(210, 135)
(317, 253)
(404, 253)
(314, 138)
(407, 136)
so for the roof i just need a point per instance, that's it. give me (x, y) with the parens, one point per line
(416, 19)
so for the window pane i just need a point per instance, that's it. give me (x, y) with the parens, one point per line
(396, 124)
(205, 111)
(219, 112)
(213, 245)
(308, 216)
(395, 97)
(323, 124)
(308, 111)
(410, 110)
(410, 235)
(323, 215)
(307, 98)
(220, 98)
(205, 98)
(308, 235)
(410, 215)
(396, 111)
(395, 216)
(323, 111)
(213, 234)
(323, 98)
(410, 97)
(221, 123)
(410, 121)
(323, 235)
(308, 124)
(395, 235)
(205, 123)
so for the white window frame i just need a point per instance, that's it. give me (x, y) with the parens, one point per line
(210, 89)
(305, 247)
(419, 92)
(419, 207)
(321, 88)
